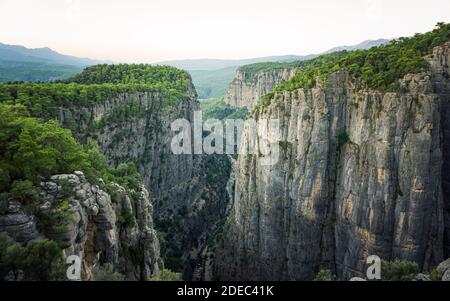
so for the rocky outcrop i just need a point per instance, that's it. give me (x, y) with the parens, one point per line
(18, 224)
(439, 61)
(98, 226)
(188, 192)
(246, 89)
(360, 173)
(136, 127)
(101, 228)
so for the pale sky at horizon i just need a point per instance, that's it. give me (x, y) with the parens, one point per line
(157, 30)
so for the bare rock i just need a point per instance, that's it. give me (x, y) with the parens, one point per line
(446, 276)
(422, 277)
(444, 266)
(357, 279)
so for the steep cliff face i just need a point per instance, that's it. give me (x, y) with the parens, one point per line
(439, 61)
(136, 127)
(360, 173)
(246, 89)
(97, 226)
(189, 191)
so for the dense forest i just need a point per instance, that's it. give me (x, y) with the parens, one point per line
(378, 68)
(35, 72)
(95, 84)
(32, 150)
(33, 147)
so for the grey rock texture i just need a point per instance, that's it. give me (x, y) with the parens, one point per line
(18, 224)
(357, 279)
(246, 89)
(439, 61)
(93, 230)
(361, 173)
(141, 135)
(446, 276)
(445, 265)
(422, 277)
(189, 200)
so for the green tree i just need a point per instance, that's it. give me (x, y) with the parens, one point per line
(8, 248)
(14, 259)
(4, 202)
(325, 275)
(166, 275)
(399, 270)
(25, 192)
(43, 260)
(106, 272)
(436, 274)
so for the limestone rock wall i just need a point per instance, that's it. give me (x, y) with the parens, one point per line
(92, 225)
(188, 191)
(361, 173)
(246, 89)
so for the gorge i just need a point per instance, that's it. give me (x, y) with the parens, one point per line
(363, 168)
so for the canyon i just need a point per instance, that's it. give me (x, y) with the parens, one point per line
(364, 172)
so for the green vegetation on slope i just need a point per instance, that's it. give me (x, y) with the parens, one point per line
(379, 67)
(96, 84)
(166, 275)
(163, 76)
(249, 71)
(35, 72)
(212, 83)
(32, 150)
(39, 260)
(399, 270)
(218, 109)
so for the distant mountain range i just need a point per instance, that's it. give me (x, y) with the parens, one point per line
(19, 53)
(215, 64)
(210, 76)
(363, 45)
(18, 63)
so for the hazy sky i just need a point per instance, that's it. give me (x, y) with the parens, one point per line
(154, 30)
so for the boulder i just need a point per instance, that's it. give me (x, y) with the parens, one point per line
(446, 276)
(445, 265)
(422, 277)
(357, 279)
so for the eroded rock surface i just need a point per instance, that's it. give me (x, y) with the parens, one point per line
(361, 173)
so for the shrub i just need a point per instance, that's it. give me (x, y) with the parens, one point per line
(4, 202)
(325, 275)
(43, 260)
(11, 254)
(106, 272)
(25, 192)
(66, 189)
(399, 270)
(136, 254)
(377, 68)
(56, 220)
(126, 218)
(436, 275)
(166, 275)
(39, 260)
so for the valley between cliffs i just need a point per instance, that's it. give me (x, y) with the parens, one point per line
(364, 169)
(363, 172)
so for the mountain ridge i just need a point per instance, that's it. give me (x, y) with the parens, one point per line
(199, 64)
(43, 54)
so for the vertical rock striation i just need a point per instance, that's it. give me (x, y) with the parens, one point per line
(246, 89)
(188, 191)
(439, 61)
(361, 173)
